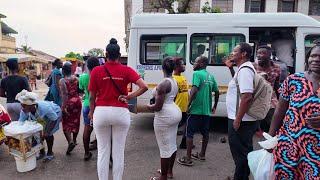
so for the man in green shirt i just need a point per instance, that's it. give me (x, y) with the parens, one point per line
(83, 85)
(200, 108)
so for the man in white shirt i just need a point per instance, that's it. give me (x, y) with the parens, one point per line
(241, 126)
(284, 48)
(78, 71)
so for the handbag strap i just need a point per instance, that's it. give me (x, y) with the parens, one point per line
(238, 87)
(113, 82)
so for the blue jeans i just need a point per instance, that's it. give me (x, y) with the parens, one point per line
(85, 113)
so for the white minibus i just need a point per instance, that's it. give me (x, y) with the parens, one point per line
(155, 36)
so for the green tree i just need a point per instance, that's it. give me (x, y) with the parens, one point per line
(26, 49)
(208, 9)
(74, 55)
(183, 6)
(96, 52)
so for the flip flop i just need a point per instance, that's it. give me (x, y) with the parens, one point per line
(168, 176)
(48, 158)
(154, 178)
(184, 161)
(197, 157)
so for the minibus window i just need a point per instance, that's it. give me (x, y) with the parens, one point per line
(214, 46)
(154, 48)
(310, 41)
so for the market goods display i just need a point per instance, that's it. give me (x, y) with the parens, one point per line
(2, 136)
(24, 141)
(15, 144)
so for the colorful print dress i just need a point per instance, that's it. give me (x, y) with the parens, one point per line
(72, 111)
(297, 155)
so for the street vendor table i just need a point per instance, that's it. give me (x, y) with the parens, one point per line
(24, 141)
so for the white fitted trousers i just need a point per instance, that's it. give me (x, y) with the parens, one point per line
(111, 123)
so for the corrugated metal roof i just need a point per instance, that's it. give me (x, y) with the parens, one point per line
(2, 16)
(23, 58)
(5, 29)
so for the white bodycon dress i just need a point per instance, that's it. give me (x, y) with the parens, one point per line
(166, 123)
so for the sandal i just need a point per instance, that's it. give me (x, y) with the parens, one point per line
(154, 178)
(48, 158)
(197, 157)
(168, 176)
(185, 161)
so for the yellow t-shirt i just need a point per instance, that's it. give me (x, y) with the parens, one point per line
(182, 98)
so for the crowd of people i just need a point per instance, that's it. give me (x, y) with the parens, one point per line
(294, 114)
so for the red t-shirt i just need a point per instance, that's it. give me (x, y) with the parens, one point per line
(107, 93)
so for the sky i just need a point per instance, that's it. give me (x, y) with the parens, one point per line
(60, 26)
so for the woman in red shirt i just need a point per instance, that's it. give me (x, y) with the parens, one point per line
(109, 109)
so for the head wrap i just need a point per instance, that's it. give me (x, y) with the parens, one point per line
(26, 97)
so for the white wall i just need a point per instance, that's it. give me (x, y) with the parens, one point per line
(239, 6)
(303, 6)
(271, 6)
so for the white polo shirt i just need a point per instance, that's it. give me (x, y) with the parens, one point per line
(245, 80)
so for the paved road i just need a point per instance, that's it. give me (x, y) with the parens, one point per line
(141, 157)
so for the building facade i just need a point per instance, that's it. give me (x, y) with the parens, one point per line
(7, 42)
(308, 7)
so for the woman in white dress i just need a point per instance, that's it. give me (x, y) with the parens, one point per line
(166, 120)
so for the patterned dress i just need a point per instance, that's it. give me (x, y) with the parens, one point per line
(72, 111)
(297, 155)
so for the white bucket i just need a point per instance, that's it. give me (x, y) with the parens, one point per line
(28, 165)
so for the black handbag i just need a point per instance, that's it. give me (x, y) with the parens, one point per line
(48, 81)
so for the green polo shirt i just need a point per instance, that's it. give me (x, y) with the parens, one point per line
(206, 83)
(83, 85)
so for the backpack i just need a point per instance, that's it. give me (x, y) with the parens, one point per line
(262, 94)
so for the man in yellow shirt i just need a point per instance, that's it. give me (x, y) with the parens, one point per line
(182, 97)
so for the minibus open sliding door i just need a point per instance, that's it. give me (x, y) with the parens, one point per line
(216, 43)
(305, 39)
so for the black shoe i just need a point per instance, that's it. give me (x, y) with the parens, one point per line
(184, 146)
(71, 146)
(87, 157)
